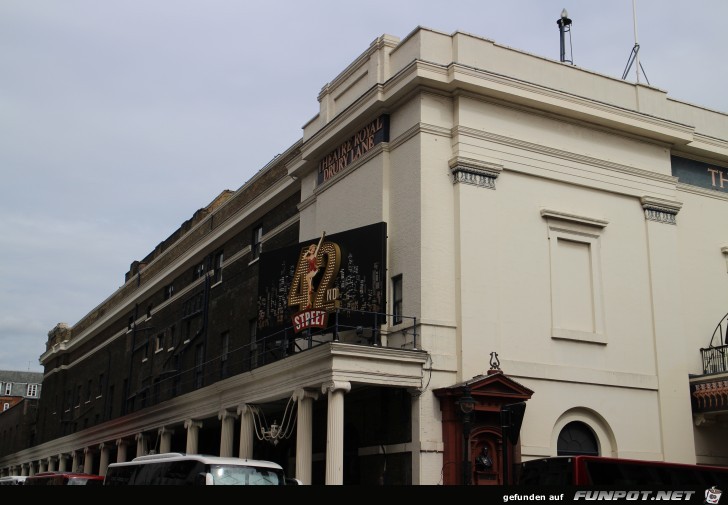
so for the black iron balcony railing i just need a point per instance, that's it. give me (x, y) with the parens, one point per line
(715, 356)
(374, 329)
(715, 359)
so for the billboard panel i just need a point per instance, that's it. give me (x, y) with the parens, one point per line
(335, 279)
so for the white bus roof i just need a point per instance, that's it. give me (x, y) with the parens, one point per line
(203, 458)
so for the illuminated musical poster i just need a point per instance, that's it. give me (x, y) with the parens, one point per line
(301, 287)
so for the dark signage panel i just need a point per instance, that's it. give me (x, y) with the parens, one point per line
(697, 173)
(353, 148)
(335, 279)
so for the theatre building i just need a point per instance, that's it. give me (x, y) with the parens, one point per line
(462, 230)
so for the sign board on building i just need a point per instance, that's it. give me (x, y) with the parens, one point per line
(697, 173)
(299, 287)
(353, 148)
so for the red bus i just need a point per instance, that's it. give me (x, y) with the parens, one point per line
(64, 479)
(603, 471)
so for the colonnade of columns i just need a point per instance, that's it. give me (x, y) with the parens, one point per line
(335, 391)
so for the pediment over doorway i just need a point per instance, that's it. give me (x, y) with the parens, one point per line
(490, 392)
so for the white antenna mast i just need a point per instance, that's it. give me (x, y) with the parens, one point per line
(636, 44)
(634, 55)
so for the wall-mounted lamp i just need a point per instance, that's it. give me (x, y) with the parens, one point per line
(467, 405)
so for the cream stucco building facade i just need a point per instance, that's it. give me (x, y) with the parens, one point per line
(532, 210)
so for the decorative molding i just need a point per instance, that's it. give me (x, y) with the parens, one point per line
(331, 386)
(302, 394)
(226, 414)
(190, 423)
(564, 155)
(574, 218)
(474, 172)
(662, 211)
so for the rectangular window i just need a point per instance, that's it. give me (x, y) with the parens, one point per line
(110, 403)
(32, 390)
(257, 243)
(198, 271)
(156, 391)
(397, 299)
(224, 345)
(199, 366)
(168, 291)
(6, 406)
(253, 325)
(101, 385)
(224, 353)
(159, 342)
(172, 337)
(88, 390)
(8, 388)
(79, 390)
(217, 275)
(188, 331)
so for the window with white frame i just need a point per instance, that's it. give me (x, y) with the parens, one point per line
(257, 242)
(217, 273)
(198, 270)
(6, 406)
(32, 391)
(8, 388)
(159, 342)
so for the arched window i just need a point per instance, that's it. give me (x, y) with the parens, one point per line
(577, 438)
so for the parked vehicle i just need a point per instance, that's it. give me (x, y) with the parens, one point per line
(195, 470)
(12, 480)
(64, 479)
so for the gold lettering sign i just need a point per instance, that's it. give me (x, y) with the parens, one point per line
(324, 296)
(353, 148)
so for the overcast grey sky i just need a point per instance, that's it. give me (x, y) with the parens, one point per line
(119, 119)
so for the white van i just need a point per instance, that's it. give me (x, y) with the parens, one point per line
(178, 469)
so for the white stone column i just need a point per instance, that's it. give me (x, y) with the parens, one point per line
(74, 461)
(62, 462)
(43, 465)
(104, 450)
(193, 435)
(88, 460)
(247, 431)
(141, 440)
(227, 433)
(25, 469)
(31, 468)
(304, 433)
(335, 431)
(121, 446)
(52, 460)
(165, 443)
